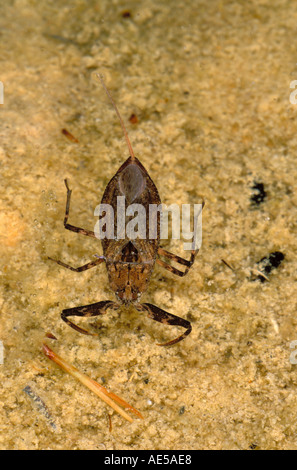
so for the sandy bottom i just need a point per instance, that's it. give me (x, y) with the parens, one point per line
(210, 88)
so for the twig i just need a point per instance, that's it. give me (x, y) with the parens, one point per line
(109, 397)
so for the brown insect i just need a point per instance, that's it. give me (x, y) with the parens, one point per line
(129, 263)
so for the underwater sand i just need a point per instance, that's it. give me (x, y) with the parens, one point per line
(209, 82)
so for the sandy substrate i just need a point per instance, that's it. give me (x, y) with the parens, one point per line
(210, 86)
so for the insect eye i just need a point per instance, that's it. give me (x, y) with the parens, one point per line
(131, 182)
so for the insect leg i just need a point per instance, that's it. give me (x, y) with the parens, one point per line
(177, 259)
(88, 233)
(92, 310)
(159, 315)
(89, 265)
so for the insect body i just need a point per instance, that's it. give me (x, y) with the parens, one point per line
(129, 262)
